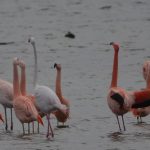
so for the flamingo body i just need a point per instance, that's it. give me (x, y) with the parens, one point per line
(6, 94)
(46, 99)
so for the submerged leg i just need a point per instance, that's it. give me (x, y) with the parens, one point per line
(118, 122)
(123, 123)
(6, 125)
(11, 126)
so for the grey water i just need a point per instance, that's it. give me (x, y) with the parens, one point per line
(86, 67)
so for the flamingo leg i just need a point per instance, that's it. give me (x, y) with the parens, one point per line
(23, 128)
(33, 127)
(138, 119)
(6, 126)
(38, 128)
(118, 122)
(28, 128)
(123, 123)
(52, 133)
(49, 128)
(11, 127)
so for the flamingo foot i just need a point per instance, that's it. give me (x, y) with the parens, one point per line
(11, 127)
(6, 127)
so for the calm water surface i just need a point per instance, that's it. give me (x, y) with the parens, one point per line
(86, 66)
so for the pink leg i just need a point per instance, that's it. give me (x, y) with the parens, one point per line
(49, 127)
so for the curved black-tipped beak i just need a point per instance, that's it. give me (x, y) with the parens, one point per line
(29, 40)
(111, 43)
(55, 65)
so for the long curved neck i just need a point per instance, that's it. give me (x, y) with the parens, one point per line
(58, 85)
(15, 81)
(115, 70)
(23, 81)
(35, 65)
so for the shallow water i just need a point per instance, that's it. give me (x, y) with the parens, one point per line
(86, 66)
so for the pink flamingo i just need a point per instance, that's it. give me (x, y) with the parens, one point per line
(6, 99)
(45, 98)
(61, 117)
(23, 106)
(143, 112)
(121, 101)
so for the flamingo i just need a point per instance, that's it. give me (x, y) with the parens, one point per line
(23, 106)
(45, 98)
(6, 99)
(121, 101)
(143, 112)
(61, 117)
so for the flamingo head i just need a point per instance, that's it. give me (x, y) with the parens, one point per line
(16, 61)
(146, 71)
(1, 118)
(21, 64)
(57, 66)
(115, 46)
(31, 40)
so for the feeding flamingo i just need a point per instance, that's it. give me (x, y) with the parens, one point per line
(23, 106)
(46, 99)
(61, 117)
(121, 101)
(143, 112)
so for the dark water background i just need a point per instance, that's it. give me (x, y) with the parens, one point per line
(86, 66)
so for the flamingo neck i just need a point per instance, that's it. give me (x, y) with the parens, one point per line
(115, 70)
(148, 85)
(15, 81)
(58, 85)
(35, 66)
(23, 81)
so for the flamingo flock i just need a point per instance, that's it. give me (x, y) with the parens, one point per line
(44, 102)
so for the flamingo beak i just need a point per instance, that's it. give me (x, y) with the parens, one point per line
(39, 119)
(55, 65)
(1, 118)
(111, 43)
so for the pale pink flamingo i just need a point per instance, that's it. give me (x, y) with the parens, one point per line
(61, 117)
(121, 101)
(143, 112)
(23, 106)
(6, 99)
(45, 98)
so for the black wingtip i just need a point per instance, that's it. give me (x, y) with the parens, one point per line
(55, 65)
(146, 103)
(118, 98)
(111, 43)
